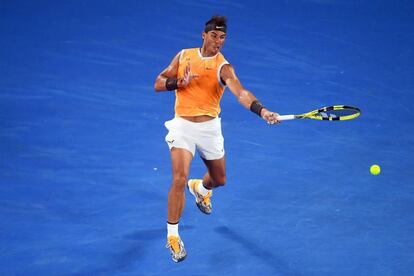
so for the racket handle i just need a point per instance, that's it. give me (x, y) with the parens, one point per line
(285, 117)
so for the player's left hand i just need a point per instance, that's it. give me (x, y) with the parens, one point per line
(270, 117)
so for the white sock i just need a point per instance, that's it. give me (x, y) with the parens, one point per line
(202, 190)
(172, 229)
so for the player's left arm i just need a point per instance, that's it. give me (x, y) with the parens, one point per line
(244, 96)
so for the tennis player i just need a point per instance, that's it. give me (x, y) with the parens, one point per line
(199, 76)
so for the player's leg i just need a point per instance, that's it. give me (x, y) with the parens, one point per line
(211, 149)
(202, 188)
(216, 173)
(182, 150)
(181, 160)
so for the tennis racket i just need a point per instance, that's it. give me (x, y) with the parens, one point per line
(330, 113)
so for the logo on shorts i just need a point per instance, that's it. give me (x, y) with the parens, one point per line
(170, 142)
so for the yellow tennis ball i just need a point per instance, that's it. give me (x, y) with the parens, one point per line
(375, 169)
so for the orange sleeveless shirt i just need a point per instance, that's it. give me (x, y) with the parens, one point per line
(203, 94)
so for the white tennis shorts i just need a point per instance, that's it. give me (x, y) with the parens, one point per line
(205, 137)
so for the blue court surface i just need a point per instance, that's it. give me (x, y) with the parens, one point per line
(85, 171)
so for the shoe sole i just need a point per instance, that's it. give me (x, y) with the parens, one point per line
(180, 260)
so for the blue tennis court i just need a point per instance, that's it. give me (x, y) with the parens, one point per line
(85, 171)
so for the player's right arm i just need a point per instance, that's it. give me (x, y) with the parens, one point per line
(169, 75)
(169, 72)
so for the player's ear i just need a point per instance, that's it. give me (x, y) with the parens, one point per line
(203, 35)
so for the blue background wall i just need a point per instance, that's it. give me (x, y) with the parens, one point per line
(85, 172)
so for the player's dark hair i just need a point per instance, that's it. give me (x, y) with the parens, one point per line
(217, 22)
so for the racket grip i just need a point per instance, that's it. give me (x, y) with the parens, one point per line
(285, 117)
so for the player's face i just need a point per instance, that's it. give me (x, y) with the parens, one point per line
(214, 41)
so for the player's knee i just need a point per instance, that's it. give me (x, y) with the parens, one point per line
(179, 181)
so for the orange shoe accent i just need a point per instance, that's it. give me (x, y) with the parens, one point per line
(203, 202)
(177, 250)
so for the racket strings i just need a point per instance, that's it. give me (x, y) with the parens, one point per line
(337, 113)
